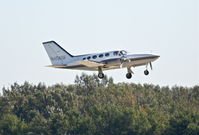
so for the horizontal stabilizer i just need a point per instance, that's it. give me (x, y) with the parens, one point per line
(90, 63)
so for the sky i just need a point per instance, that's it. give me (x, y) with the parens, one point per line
(169, 28)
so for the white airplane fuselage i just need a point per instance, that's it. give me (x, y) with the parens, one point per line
(112, 62)
(97, 61)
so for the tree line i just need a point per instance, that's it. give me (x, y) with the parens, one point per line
(92, 106)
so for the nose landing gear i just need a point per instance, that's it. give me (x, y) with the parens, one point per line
(146, 72)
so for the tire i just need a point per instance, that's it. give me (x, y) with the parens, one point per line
(101, 75)
(128, 75)
(146, 72)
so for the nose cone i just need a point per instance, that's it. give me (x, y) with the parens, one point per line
(154, 56)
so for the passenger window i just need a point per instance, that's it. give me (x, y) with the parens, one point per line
(107, 54)
(88, 57)
(115, 53)
(94, 57)
(101, 55)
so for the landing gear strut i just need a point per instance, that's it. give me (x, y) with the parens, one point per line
(100, 73)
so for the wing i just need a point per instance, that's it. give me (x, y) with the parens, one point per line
(89, 63)
(57, 66)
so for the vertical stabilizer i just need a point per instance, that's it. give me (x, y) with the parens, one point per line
(57, 54)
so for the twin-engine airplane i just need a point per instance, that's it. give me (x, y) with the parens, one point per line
(60, 58)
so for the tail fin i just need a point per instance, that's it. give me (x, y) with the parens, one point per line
(56, 53)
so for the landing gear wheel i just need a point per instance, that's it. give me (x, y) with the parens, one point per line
(128, 75)
(101, 75)
(146, 72)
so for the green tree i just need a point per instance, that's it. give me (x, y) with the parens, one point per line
(99, 106)
(184, 122)
(10, 124)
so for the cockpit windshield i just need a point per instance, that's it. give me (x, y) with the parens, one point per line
(123, 52)
(120, 53)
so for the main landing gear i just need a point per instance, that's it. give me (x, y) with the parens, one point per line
(100, 73)
(129, 73)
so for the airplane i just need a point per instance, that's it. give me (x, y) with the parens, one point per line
(100, 62)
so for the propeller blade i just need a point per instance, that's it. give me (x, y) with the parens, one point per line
(151, 66)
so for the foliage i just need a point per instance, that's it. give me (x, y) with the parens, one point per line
(100, 107)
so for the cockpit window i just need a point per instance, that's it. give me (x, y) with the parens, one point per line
(115, 53)
(84, 58)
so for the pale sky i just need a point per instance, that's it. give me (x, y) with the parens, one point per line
(165, 27)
